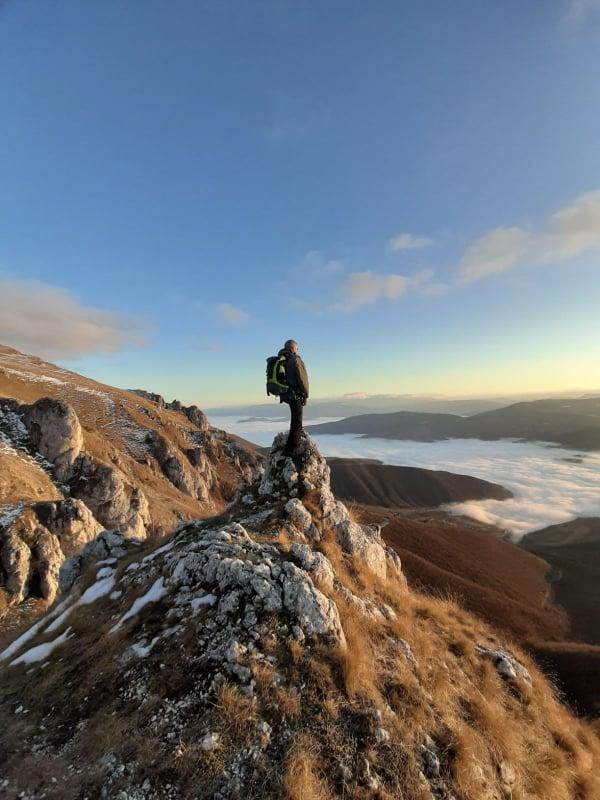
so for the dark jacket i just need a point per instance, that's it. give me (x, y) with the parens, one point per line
(296, 377)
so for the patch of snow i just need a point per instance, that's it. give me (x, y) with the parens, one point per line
(164, 549)
(133, 566)
(106, 561)
(154, 593)
(34, 377)
(54, 626)
(142, 650)
(41, 651)
(31, 632)
(8, 514)
(12, 428)
(198, 602)
(105, 572)
(116, 594)
(102, 587)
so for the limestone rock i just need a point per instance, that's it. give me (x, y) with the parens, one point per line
(316, 564)
(71, 521)
(194, 482)
(355, 540)
(289, 476)
(55, 432)
(196, 417)
(46, 560)
(16, 558)
(114, 502)
(109, 545)
(506, 664)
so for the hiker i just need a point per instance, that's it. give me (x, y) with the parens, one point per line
(287, 378)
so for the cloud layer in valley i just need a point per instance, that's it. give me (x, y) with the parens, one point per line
(52, 323)
(550, 484)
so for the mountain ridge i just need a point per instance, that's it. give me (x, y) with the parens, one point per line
(275, 651)
(569, 423)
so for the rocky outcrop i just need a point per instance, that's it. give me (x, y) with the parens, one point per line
(195, 415)
(16, 559)
(114, 502)
(107, 548)
(305, 480)
(36, 541)
(194, 476)
(71, 521)
(55, 432)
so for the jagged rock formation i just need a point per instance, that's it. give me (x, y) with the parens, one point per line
(257, 654)
(195, 415)
(91, 458)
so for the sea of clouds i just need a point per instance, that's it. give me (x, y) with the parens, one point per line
(550, 484)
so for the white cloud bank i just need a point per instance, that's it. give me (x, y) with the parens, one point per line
(231, 314)
(50, 322)
(406, 241)
(548, 486)
(570, 232)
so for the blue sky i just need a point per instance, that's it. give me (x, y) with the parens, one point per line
(411, 190)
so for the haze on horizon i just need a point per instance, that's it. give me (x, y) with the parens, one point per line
(412, 191)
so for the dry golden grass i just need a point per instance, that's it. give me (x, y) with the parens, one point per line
(303, 779)
(287, 702)
(236, 714)
(295, 650)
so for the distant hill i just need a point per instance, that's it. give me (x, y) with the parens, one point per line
(374, 483)
(351, 405)
(571, 423)
(573, 550)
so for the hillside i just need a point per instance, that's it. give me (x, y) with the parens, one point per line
(514, 588)
(374, 483)
(573, 423)
(575, 558)
(77, 457)
(276, 652)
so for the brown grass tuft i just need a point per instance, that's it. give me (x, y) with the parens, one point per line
(303, 778)
(236, 713)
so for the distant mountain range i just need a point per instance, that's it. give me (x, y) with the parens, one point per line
(382, 404)
(573, 423)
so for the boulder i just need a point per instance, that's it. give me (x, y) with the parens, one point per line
(55, 432)
(16, 561)
(71, 521)
(361, 542)
(114, 502)
(46, 560)
(197, 417)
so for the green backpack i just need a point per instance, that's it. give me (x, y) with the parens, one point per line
(276, 384)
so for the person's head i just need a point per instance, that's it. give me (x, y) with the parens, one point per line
(291, 345)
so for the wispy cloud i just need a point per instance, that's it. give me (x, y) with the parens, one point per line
(362, 288)
(231, 314)
(325, 285)
(51, 322)
(570, 232)
(580, 13)
(293, 118)
(406, 241)
(315, 266)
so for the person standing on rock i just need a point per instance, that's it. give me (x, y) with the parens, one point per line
(295, 394)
